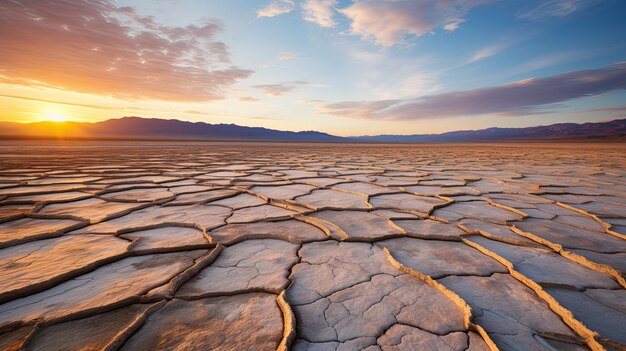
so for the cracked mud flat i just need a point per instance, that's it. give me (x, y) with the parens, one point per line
(260, 246)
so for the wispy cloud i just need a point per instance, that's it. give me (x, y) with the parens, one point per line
(275, 89)
(74, 104)
(485, 52)
(284, 88)
(287, 55)
(196, 112)
(320, 12)
(556, 8)
(379, 74)
(97, 47)
(609, 109)
(389, 22)
(518, 98)
(248, 99)
(26, 98)
(275, 8)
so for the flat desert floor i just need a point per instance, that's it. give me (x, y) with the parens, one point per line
(261, 246)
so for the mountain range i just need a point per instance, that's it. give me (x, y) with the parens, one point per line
(137, 128)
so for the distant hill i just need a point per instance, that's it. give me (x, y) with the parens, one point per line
(153, 128)
(613, 130)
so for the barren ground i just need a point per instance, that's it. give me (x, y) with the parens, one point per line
(260, 246)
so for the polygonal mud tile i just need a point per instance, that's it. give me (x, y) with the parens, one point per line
(291, 230)
(258, 213)
(203, 215)
(252, 265)
(406, 202)
(166, 238)
(26, 229)
(38, 265)
(476, 210)
(366, 188)
(511, 313)
(360, 225)
(109, 285)
(240, 322)
(429, 229)
(544, 266)
(285, 192)
(333, 199)
(93, 210)
(441, 258)
(601, 310)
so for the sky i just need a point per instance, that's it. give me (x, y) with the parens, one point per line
(344, 67)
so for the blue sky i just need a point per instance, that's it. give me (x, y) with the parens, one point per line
(370, 67)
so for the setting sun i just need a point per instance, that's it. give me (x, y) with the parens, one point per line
(55, 118)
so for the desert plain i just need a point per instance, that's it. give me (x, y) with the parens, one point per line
(270, 246)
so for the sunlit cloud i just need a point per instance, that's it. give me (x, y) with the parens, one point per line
(451, 27)
(248, 99)
(195, 112)
(287, 55)
(320, 12)
(26, 98)
(518, 98)
(284, 88)
(275, 89)
(275, 8)
(312, 101)
(99, 48)
(389, 22)
(74, 104)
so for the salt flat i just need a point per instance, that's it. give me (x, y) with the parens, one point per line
(262, 246)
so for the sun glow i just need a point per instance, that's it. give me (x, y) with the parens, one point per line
(56, 118)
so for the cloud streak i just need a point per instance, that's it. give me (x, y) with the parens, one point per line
(518, 98)
(556, 8)
(284, 88)
(275, 89)
(389, 22)
(484, 53)
(26, 98)
(96, 47)
(248, 99)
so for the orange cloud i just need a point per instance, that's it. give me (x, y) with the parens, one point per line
(248, 99)
(25, 98)
(96, 47)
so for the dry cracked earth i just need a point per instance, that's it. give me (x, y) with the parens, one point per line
(200, 246)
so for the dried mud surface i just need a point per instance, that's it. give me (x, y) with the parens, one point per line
(261, 246)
